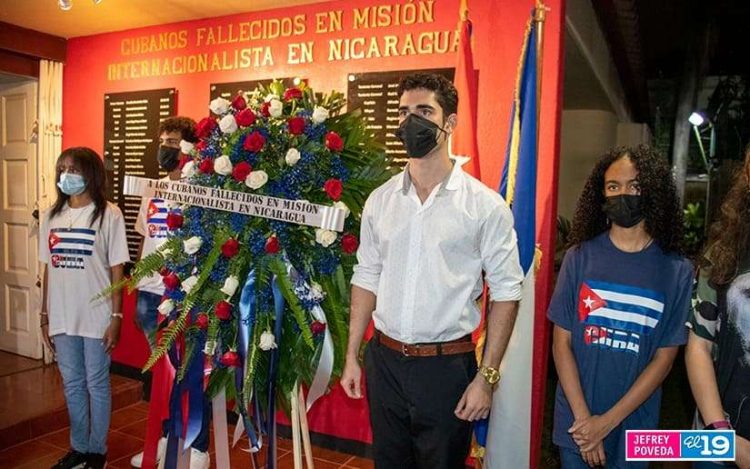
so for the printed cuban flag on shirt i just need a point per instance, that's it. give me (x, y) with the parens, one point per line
(78, 241)
(156, 218)
(620, 307)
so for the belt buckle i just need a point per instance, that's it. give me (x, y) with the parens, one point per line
(406, 347)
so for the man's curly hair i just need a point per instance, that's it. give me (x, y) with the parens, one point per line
(729, 237)
(660, 204)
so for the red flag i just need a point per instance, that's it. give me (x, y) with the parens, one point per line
(464, 137)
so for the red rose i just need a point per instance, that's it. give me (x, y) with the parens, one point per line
(171, 281)
(200, 146)
(230, 359)
(183, 160)
(204, 128)
(202, 321)
(272, 245)
(317, 327)
(349, 243)
(333, 188)
(239, 102)
(206, 166)
(223, 310)
(254, 142)
(245, 118)
(264, 109)
(292, 93)
(241, 170)
(230, 248)
(174, 220)
(296, 125)
(334, 142)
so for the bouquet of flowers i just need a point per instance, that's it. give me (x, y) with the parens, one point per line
(260, 305)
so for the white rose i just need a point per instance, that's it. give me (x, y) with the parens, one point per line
(267, 341)
(186, 147)
(269, 97)
(276, 108)
(228, 124)
(256, 179)
(189, 283)
(316, 291)
(292, 156)
(166, 307)
(223, 165)
(325, 237)
(192, 245)
(210, 347)
(341, 205)
(230, 285)
(319, 115)
(219, 106)
(189, 170)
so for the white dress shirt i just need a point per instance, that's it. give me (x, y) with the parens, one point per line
(424, 261)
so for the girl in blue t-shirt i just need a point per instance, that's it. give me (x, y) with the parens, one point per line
(619, 307)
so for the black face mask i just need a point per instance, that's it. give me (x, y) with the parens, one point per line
(169, 158)
(419, 135)
(624, 210)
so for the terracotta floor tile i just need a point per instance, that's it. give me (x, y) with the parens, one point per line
(26, 453)
(360, 463)
(44, 462)
(120, 446)
(330, 455)
(136, 429)
(11, 363)
(127, 416)
(59, 439)
(287, 462)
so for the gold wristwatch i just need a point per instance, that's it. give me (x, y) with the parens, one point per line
(491, 375)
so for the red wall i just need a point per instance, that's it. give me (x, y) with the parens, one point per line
(498, 32)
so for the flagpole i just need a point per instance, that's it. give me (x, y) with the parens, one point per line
(540, 15)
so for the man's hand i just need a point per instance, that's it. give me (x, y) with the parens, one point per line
(47, 341)
(742, 453)
(111, 335)
(476, 402)
(351, 378)
(596, 457)
(590, 431)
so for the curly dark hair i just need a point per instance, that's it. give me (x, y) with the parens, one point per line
(661, 206)
(729, 237)
(445, 92)
(184, 125)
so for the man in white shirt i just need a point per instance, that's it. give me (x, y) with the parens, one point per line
(174, 132)
(427, 236)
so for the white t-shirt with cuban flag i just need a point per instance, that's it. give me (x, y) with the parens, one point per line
(79, 256)
(152, 225)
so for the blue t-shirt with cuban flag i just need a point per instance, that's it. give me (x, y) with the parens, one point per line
(619, 307)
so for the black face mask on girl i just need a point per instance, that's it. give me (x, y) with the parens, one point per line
(419, 135)
(169, 158)
(624, 210)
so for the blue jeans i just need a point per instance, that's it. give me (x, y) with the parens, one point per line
(147, 313)
(84, 366)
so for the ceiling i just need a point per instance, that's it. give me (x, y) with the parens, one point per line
(85, 18)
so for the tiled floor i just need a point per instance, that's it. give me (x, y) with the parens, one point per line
(126, 439)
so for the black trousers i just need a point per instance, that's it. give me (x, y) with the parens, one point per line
(412, 402)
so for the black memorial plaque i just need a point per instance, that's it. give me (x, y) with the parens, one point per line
(230, 90)
(131, 124)
(375, 94)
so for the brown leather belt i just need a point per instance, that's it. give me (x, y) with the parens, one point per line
(454, 347)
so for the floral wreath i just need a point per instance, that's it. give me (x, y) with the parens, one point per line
(257, 305)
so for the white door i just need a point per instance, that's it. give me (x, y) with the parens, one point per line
(19, 293)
